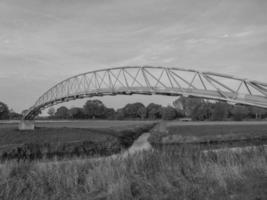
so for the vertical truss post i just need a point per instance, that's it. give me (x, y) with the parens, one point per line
(110, 81)
(202, 81)
(245, 82)
(125, 79)
(168, 74)
(146, 79)
(84, 84)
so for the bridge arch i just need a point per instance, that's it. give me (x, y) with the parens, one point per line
(148, 80)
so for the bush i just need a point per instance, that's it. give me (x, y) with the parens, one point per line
(240, 113)
(4, 111)
(168, 113)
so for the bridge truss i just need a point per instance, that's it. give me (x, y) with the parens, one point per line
(149, 80)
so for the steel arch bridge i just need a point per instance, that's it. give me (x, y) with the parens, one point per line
(149, 80)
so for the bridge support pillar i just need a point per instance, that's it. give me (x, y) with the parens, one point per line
(26, 125)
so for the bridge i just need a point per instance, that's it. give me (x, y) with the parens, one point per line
(147, 80)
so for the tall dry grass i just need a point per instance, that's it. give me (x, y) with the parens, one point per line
(169, 174)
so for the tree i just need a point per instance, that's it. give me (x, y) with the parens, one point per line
(141, 112)
(119, 114)
(76, 113)
(240, 112)
(257, 113)
(202, 112)
(220, 111)
(187, 104)
(94, 109)
(178, 104)
(13, 115)
(62, 113)
(24, 111)
(4, 111)
(110, 113)
(51, 112)
(168, 113)
(153, 111)
(134, 110)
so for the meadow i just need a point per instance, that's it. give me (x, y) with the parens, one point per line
(184, 173)
(64, 139)
(212, 134)
(179, 171)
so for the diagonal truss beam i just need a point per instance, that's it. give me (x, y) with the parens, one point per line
(138, 80)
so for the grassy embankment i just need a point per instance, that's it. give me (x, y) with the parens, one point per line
(211, 135)
(181, 174)
(67, 142)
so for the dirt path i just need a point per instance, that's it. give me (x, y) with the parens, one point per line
(141, 144)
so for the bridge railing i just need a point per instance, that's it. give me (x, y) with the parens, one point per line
(153, 80)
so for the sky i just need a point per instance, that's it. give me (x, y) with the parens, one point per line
(45, 41)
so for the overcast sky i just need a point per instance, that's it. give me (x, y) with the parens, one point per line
(45, 41)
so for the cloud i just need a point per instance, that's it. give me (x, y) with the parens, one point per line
(42, 42)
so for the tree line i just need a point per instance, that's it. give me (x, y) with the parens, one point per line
(6, 113)
(95, 109)
(195, 109)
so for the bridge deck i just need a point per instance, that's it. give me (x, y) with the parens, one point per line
(153, 80)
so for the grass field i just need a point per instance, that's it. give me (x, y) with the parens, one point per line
(103, 137)
(212, 133)
(184, 174)
(78, 123)
(62, 139)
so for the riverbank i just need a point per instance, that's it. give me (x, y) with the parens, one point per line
(47, 143)
(209, 135)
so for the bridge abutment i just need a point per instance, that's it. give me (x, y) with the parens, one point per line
(26, 125)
